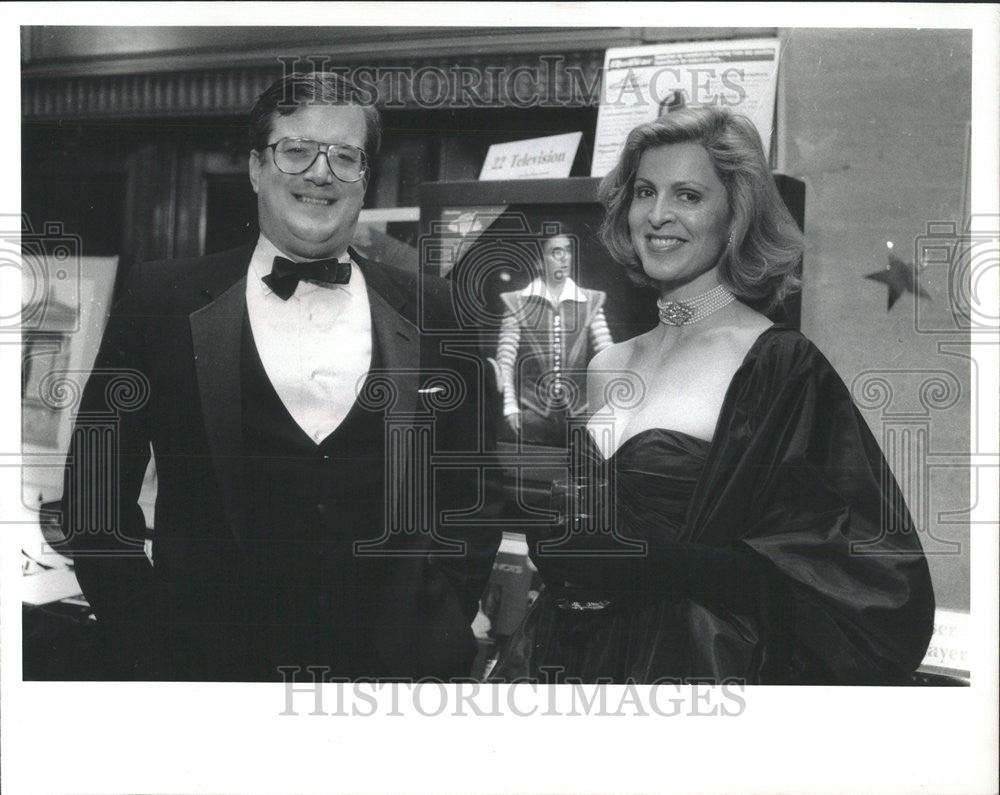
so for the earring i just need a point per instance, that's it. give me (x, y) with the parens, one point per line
(730, 238)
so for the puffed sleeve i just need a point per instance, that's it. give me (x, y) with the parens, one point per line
(510, 339)
(802, 482)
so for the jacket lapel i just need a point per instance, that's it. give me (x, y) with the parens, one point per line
(398, 339)
(216, 333)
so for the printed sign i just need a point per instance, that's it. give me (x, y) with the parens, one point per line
(949, 646)
(538, 158)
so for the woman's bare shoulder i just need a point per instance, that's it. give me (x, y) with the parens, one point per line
(750, 321)
(738, 334)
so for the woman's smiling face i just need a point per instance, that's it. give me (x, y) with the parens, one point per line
(679, 218)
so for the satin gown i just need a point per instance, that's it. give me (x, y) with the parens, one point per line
(779, 552)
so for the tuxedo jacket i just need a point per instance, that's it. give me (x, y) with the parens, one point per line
(219, 602)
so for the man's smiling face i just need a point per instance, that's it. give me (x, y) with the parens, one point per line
(311, 215)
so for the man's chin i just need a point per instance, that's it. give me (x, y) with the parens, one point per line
(309, 241)
(315, 249)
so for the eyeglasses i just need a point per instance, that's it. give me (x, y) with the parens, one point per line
(558, 253)
(297, 155)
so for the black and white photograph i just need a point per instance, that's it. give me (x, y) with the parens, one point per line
(501, 385)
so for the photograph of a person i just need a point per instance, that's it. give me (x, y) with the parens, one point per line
(270, 459)
(380, 379)
(550, 331)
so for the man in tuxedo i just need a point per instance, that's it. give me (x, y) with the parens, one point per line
(293, 406)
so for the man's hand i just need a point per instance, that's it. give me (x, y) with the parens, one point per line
(514, 421)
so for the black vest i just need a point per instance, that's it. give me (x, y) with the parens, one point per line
(306, 506)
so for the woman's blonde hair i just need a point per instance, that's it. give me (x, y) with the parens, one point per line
(763, 256)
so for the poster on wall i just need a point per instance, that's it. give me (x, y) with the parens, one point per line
(643, 83)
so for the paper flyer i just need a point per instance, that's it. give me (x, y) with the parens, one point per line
(642, 83)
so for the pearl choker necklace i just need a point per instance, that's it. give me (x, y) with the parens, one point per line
(683, 313)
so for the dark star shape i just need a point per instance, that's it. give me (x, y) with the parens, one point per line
(900, 278)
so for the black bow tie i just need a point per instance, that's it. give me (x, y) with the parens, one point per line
(285, 275)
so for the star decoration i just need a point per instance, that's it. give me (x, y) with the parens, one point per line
(900, 278)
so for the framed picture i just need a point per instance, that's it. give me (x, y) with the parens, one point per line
(66, 303)
(490, 240)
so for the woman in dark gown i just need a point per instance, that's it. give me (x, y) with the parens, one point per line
(754, 532)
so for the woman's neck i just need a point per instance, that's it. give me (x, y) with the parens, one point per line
(688, 290)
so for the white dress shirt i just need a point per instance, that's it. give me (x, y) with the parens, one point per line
(316, 347)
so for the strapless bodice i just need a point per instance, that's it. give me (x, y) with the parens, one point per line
(654, 473)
